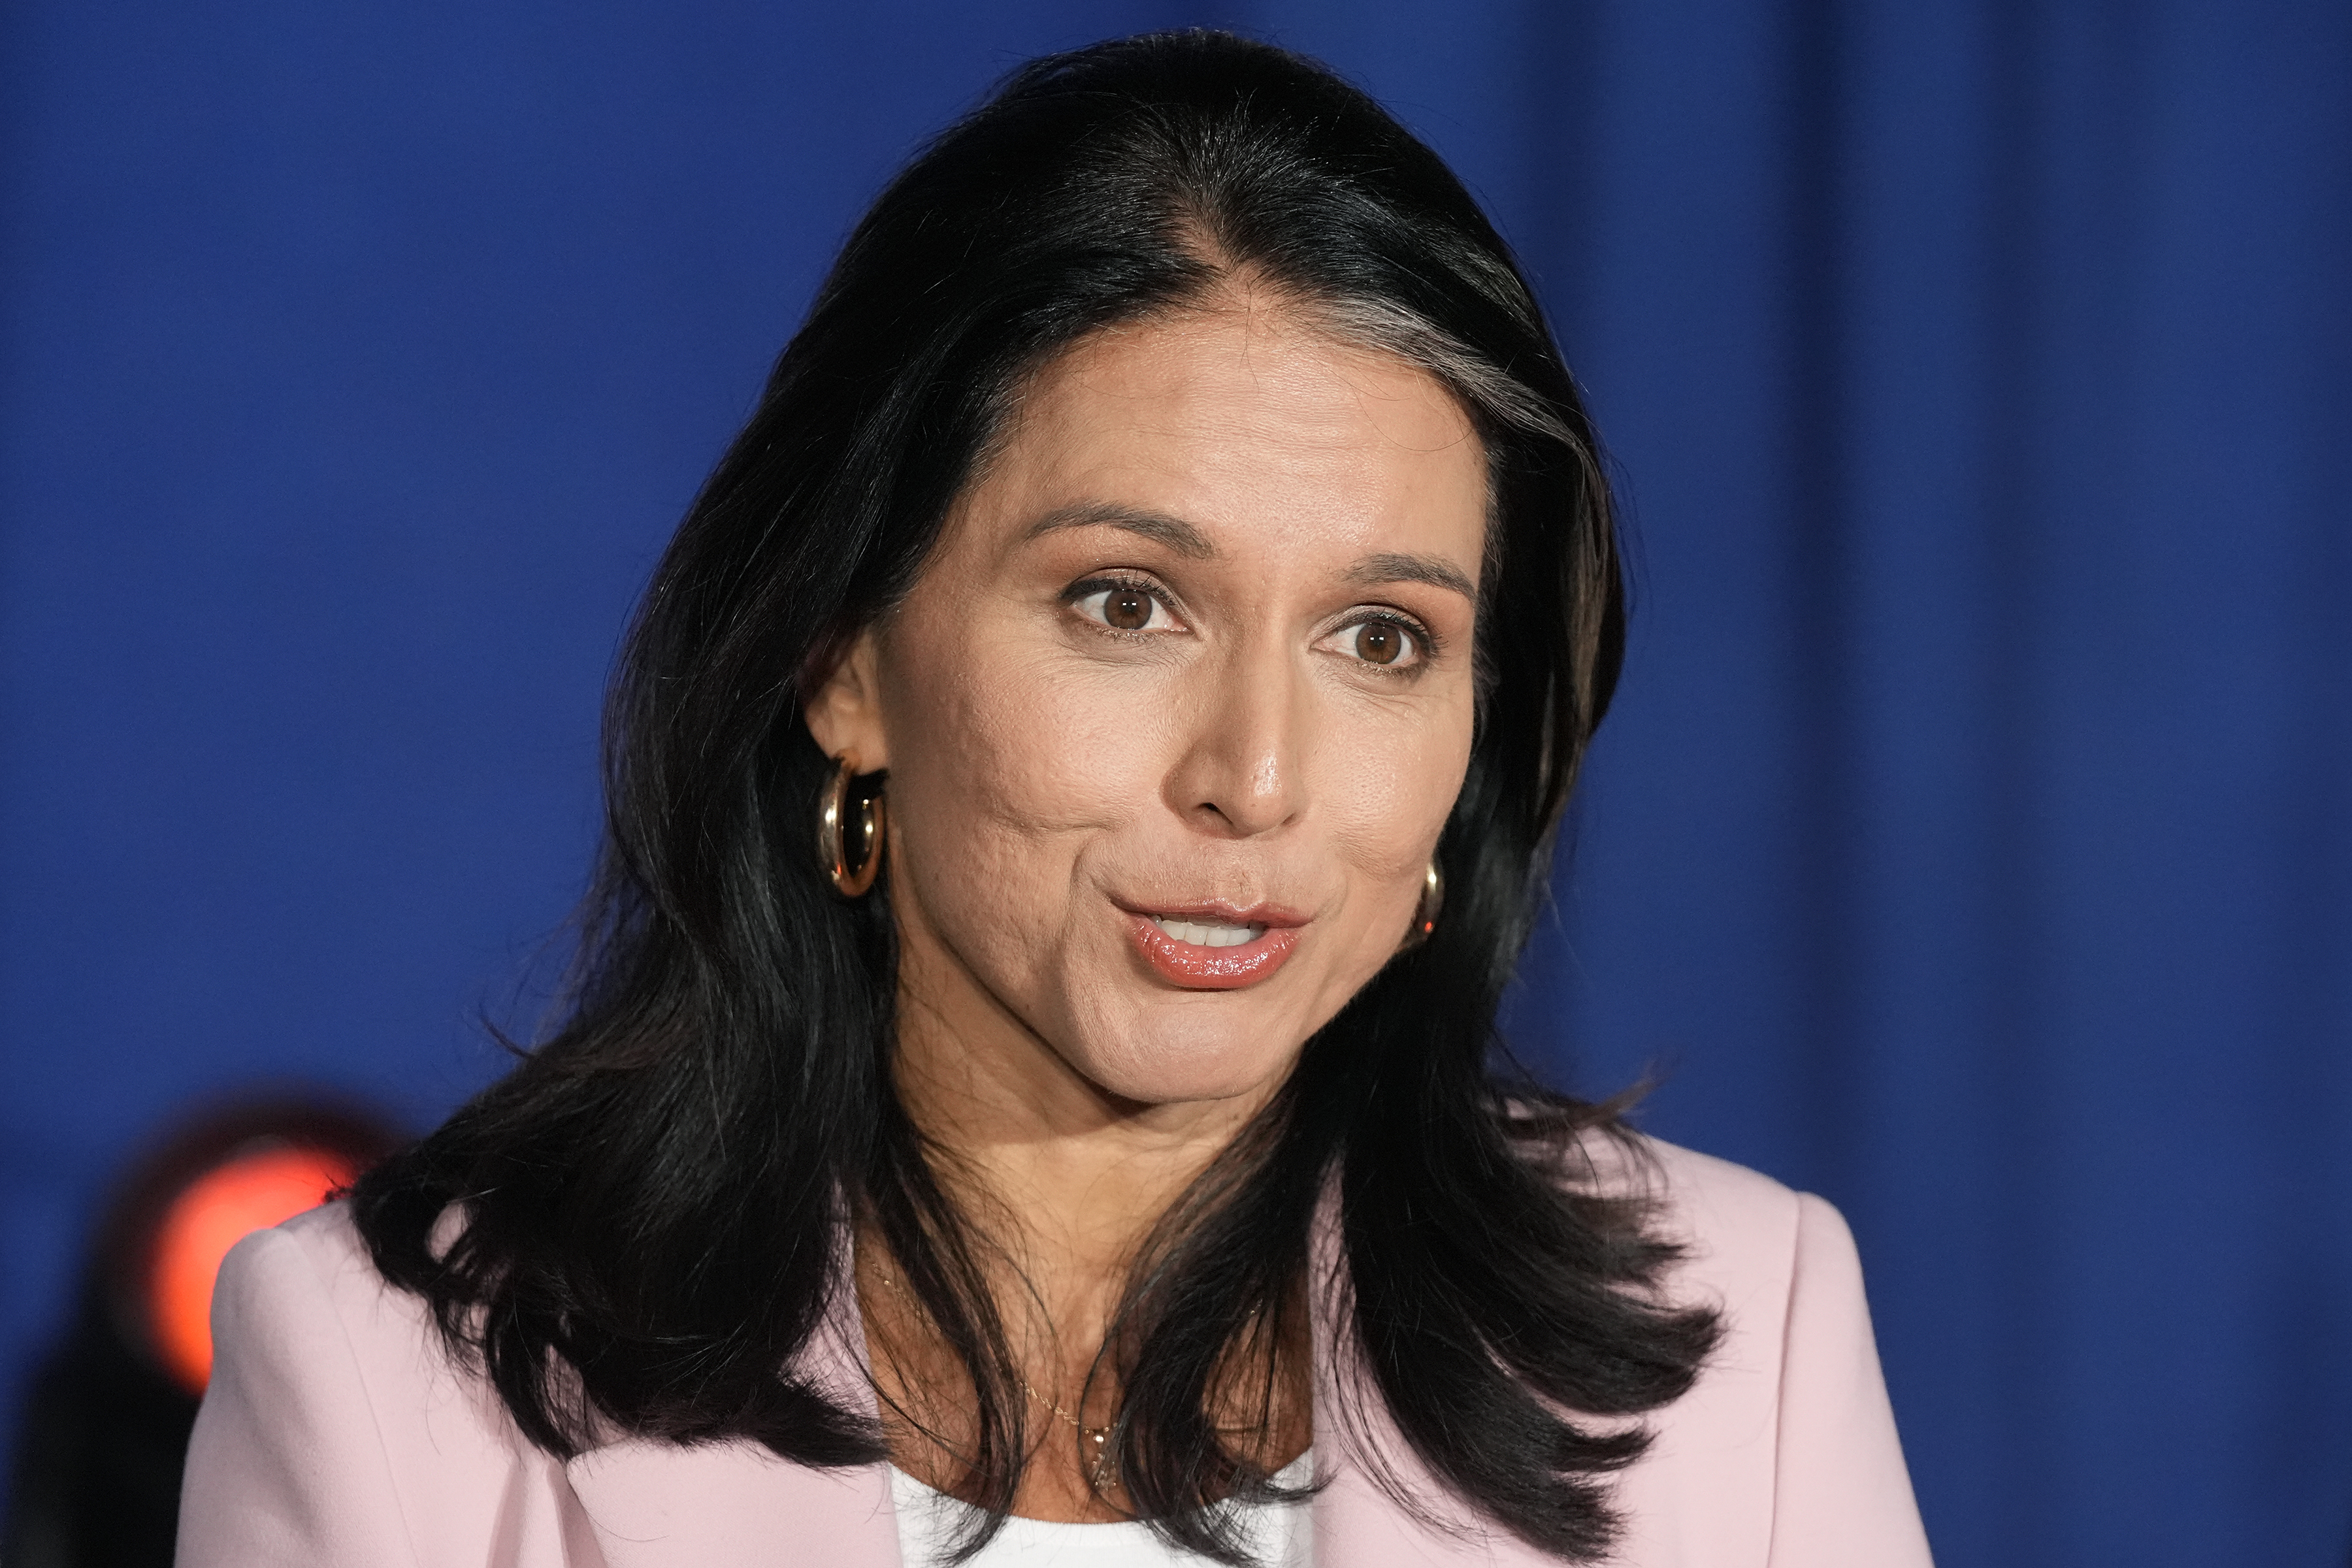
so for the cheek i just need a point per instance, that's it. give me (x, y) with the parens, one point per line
(1390, 791)
(1002, 772)
(1388, 795)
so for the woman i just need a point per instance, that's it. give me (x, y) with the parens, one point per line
(1169, 579)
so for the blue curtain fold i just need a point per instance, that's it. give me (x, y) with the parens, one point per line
(1972, 841)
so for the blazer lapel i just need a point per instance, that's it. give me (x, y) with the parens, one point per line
(735, 1504)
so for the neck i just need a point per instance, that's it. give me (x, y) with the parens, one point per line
(1064, 1182)
(1064, 1175)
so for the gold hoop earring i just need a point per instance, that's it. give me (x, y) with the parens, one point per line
(832, 851)
(1432, 904)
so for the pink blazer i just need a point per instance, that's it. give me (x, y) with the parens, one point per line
(337, 1432)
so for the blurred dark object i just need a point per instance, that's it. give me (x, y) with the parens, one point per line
(102, 1435)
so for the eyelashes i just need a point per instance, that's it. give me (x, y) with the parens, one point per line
(1124, 606)
(1384, 641)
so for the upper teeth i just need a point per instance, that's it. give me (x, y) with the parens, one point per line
(1202, 934)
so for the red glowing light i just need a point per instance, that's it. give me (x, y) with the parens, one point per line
(211, 1215)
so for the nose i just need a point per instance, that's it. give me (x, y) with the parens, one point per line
(1239, 773)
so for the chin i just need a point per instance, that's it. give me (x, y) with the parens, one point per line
(1186, 1064)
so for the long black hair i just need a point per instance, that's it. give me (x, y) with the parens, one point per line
(653, 1202)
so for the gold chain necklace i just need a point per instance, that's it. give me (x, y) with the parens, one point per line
(1099, 1475)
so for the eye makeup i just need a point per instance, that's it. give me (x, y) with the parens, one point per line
(1386, 641)
(1122, 603)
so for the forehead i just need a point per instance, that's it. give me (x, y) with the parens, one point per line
(1245, 417)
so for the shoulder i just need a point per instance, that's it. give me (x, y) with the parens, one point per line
(320, 1250)
(1732, 1226)
(340, 1428)
(338, 1423)
(308, 1292)
(1737, 1234)
(316, 1270)
(1740, 1230)
(1762, 1254)
(304, 1301)
(1785, 1450)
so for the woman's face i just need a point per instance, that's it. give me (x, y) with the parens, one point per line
(1178, 705)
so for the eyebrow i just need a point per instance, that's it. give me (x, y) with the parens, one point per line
(1174, 532)
(1374, 570)
(1190, 541)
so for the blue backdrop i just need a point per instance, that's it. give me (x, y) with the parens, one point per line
(1972, 838)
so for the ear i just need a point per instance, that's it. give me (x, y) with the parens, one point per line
(845, 714)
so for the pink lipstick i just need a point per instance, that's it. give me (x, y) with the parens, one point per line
(1212, 947)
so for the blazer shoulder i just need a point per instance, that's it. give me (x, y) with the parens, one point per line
(1728, 1219)
(1692, 1176)
(340, 1426)
(1784, 1452)
(320, 1258)
(328, 1241)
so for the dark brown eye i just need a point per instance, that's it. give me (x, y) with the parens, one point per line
(1125, 609)
(1128, 609)
(1378, 642)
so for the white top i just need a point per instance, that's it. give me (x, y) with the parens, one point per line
(1279, 1535)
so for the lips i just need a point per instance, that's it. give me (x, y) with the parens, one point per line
(1213, 948)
